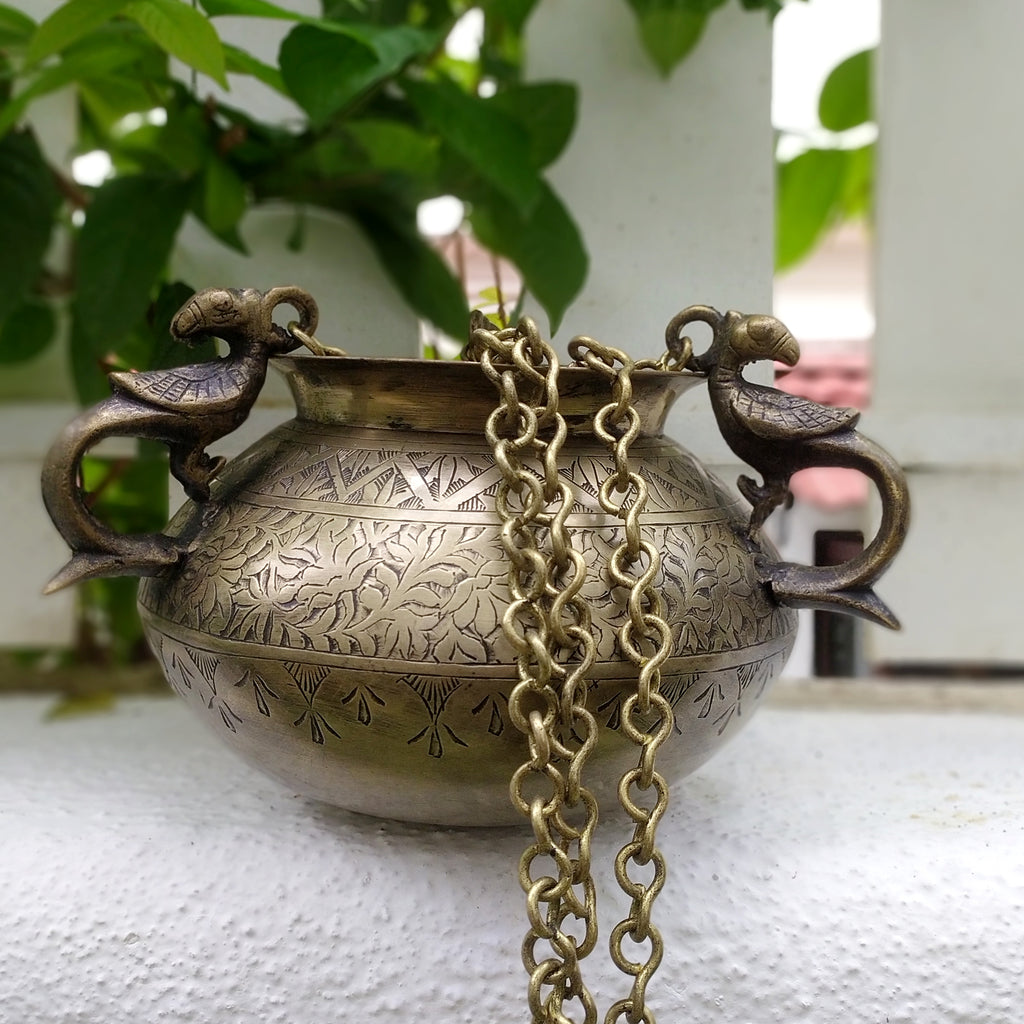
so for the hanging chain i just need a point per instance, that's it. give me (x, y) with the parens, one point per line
(548, 625)
(646, 639)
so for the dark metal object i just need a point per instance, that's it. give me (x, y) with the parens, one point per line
(777, 434)
(334, 603)
(187, 408)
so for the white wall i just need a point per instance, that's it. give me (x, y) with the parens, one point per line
(671, 182)
(950, 366)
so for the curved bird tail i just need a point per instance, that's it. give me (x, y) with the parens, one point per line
(848, 587)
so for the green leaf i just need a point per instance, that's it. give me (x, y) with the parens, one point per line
(70, 22)
(326, 71)
(546, 111)
(771, 6)
(419, 273)
(181, 147)
(132, 498)
(28, 205)
(182, 32)
(251, 9)
(123, 247)
(858, 182)
(845, 100)
(15, 27)
(546, 246)
(392, 146)
(241, 63)
(514, 12)
(27, 331)
(133, 494)
(807, 202)
(327, 67)
(394, 45)
(78, 705)
(184, 141)
(108, 98)
(99, 58)
(670, 29)
(296, 240)
(265, 9)
(224, 197)
(491, 141)
(330, 158)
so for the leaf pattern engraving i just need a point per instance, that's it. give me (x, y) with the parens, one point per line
(491, 706)
(309, 679)
(720, 694)
(329, 576)
(194, 671)
(261, 691)
(363, 695)
(316, 702)
(435, 694)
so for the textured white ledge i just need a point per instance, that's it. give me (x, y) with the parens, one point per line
(831, 866)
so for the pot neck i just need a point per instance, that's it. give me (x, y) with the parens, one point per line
(453, 397)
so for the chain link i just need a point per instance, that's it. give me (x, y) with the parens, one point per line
(548, 624)
(645, 638)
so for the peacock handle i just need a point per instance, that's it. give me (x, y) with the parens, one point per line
(778, 434)
(187, 408)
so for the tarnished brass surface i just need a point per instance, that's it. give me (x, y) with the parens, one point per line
(334, 606)
(338, 615)
(778, 434)
(188, 408)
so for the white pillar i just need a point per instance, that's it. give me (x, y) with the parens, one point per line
(950, 363)
(669, 181)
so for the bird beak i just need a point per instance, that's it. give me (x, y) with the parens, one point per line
(786, 350)
(187, 322)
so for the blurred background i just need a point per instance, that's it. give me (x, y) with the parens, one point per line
(852, 165)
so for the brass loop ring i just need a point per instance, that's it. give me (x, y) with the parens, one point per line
(636, 811)
(317, 347)
(624, 1008)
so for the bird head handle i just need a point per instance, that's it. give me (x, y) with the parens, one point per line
(676, 341)
(187, 408)
(778, 434)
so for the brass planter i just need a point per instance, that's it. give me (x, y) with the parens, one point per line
(333, 608)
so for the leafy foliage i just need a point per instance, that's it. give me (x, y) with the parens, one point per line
(670, 29)
(825, 185)
(122, 248)
(554, 267)
(808, 189)
(130, 495)
(390, 120)
(28, 204)
(845, 100)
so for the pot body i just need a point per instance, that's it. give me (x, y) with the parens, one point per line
(337, 616)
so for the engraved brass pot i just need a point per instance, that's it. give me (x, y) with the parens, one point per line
(333, 606)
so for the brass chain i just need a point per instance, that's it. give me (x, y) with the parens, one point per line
(646, 639)
(547, 620)
(548, 624)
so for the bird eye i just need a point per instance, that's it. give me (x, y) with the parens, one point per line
(763, 328)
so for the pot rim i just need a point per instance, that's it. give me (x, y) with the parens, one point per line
(455, 396)
(301, 361)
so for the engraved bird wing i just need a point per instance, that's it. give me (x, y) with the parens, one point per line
(211, 387)
(778, 415)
